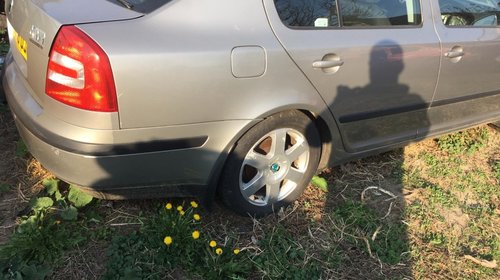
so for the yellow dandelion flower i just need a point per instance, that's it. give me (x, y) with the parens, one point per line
(179, 208)
(218, 251)
(196, 217)
(196, 234)
(167, 240)
(236, 251)
(194, 204)
(213, 244)
(168, 206)
(182, 213)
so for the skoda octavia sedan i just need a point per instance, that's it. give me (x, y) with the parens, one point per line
(247, 99)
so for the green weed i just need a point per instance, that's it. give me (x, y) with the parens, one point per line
(283, 257)
(44, 234)
(173, 239)
(320, 183)
(4, 188)
(468, 141)
(440, 197)
(21, 149)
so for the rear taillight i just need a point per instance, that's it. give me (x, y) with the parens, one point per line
(79, 73)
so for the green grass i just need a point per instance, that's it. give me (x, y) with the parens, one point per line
(146, 253)
(364, 228)
(456, 209)
(440, 205)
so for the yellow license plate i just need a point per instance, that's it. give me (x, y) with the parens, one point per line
(21, 45)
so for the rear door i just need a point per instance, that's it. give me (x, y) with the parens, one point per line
(468, 91)
(374, 62)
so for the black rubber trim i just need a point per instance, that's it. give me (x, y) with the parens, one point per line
(464, 98)
(414, 107)
(382, 113)
(150, 147)
(68, 145)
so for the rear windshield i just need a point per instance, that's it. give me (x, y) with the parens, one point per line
(141, 6)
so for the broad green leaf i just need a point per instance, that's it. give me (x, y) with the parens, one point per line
(27, 225)
(70, 213)
(43, 203)
(51, 185)
(77, 197)
(52, 188)
(320, 183)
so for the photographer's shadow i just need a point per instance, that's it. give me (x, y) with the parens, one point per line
(365, 204)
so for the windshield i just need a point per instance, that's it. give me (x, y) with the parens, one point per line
(141, 6)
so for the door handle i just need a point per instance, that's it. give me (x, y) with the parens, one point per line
(454, 54)
(327, 63)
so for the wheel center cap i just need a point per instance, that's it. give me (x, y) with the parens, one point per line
(275, 167)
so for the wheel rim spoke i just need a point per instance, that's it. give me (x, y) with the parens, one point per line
(294, 175)
(272, 192)
(294, 152)
(256, 160)
(254, 185)
(278, 142)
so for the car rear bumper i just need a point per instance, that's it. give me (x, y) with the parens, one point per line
(108, 160)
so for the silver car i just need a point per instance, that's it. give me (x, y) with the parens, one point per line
(244, 98)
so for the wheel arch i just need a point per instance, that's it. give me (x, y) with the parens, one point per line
(323, 122)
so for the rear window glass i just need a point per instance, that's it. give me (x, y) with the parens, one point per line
(380, 12)
(141, 6)
(308, 13)
(346, 13)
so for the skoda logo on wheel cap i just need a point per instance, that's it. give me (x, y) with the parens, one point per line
(275, 167)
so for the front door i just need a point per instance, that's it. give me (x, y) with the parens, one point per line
(468, 90)
(374, 62)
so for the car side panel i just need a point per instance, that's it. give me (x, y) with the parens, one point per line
(174, 66)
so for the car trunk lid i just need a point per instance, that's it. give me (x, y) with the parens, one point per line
(33, 25)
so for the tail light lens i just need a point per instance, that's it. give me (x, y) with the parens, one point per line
(79, 73)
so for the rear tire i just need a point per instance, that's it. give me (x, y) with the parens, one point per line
(271, 165)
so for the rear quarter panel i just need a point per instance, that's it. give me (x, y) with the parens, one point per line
(174, 66)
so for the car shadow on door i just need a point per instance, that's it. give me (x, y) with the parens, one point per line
(365, 209)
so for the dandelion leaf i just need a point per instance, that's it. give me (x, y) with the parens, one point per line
(78, 198)
(69, 214)
(52, 188)
(42, 203)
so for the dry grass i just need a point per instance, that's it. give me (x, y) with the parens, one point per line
(444, 207)
(21, 174)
